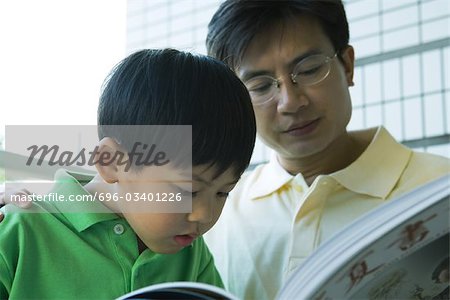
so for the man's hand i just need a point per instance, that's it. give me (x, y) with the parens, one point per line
(6, 196)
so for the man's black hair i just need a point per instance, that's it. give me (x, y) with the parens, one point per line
(237, 22)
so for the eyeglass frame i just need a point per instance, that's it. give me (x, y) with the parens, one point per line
(277, 81)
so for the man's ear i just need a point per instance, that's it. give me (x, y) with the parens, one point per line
(107, 159)
(348, 58)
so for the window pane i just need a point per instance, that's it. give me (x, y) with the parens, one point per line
(447, 115)
(357, 120)
(410, 73)
(413, 119)
(447, 68)
(434, 122)
(391, 79)
(367, 46)
(443, 150)
(436, 30)
(157, 15)
(365, 27)
(399, 18)
(432, 75)
(361, 8)
(434, 9)
(388, 4)
(393, 119)
(181, 40)
(400, 38)
(356, 91)
(181, 23)
(181, 7)
(374, 116)
(372, 83)
(136, 6)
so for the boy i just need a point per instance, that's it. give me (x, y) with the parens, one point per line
(112, 251)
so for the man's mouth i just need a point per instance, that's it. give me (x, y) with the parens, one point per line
(302, 128)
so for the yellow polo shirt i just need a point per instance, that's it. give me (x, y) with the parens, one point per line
(274, 220)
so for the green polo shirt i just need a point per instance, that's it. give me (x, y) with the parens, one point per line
(85, 255)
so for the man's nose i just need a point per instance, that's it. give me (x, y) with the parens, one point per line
(291, 97)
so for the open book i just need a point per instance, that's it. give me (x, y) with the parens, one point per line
(180, 290)
(397, 251)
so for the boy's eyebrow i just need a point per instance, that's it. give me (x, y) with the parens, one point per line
(199, 178)
(202, 180)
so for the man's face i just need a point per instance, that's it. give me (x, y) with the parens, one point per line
(304, 120)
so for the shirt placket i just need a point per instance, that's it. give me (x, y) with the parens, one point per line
(124, 243)
(305, 234)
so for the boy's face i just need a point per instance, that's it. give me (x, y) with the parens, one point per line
(170, 232)
(306, 119)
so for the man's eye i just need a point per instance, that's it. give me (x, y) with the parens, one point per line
(262, 88)
(259, 86)
(309, 71)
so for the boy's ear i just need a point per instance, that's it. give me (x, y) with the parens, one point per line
(348, 56)
(106, 159)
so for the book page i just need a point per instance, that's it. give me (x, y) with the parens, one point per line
(413, 277)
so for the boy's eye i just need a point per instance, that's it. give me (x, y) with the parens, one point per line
(188, 193)
(223, 194)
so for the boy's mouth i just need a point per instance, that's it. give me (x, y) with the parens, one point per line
(184, 239)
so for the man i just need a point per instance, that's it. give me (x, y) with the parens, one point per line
(296, 62)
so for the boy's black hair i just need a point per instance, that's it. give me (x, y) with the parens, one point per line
(237, 22)
(170, 87)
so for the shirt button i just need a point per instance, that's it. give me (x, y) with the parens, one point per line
(327, 181)
(298, 188)
(118, 229)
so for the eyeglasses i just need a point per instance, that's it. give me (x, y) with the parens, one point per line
(308, 71)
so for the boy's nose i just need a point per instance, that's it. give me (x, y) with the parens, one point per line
(201, 211)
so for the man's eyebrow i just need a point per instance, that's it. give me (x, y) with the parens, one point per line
(301, 57)
(247, 75)
(250, 74)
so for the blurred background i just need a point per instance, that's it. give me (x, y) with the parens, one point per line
(55, 55)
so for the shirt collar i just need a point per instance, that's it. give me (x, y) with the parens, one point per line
(271, 178)
(379, 167)
(81, 214)
(372, 173)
